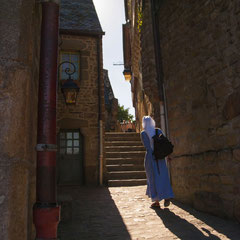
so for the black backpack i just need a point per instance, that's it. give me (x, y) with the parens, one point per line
(162, 146)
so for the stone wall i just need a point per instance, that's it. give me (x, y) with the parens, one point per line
(200, 53)
(85, 114)
(19, 63)
(145, 93)
(111, 105)
(149, 73)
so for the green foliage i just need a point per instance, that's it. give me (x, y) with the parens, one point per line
(139, 18)
(123, 114)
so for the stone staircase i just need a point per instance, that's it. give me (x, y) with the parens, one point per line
(124, 159)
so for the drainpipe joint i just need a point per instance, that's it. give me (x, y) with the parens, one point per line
(49, 1)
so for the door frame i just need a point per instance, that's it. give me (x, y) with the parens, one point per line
(83, 154)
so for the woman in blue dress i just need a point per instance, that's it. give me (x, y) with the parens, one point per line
(158, 182)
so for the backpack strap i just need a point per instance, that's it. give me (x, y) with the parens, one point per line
(156, 132)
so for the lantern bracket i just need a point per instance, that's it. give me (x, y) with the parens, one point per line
(68, 70)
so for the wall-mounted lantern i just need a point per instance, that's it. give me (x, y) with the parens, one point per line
(127, 74)
(69, 88)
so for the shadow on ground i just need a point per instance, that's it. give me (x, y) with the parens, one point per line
(228, 228)
(185, 230)
(89, 213)
(182, 228)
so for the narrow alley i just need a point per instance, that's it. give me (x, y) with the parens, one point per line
(122, 213)
(88, 87)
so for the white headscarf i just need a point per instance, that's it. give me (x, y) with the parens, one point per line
(149, 127)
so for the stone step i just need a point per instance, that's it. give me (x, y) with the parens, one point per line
(124, 154)
(139, 154)
(124, 148)
(122, 138)
(123, 143)
(124, 134)
(128, 182)
(132, 160)
(125, 167)
(126, 175)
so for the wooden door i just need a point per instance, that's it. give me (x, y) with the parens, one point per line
(70, 158)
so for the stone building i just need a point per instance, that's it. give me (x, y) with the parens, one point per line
(185, 66)
(19, 74)
(80, 43)
(78, 125)
(145, 93)
(111, 105)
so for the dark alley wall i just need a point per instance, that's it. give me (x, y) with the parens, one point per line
(19, 63)
(200, 45)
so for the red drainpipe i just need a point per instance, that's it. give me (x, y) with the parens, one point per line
(46, 212)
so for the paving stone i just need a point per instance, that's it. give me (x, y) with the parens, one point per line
(124, 213)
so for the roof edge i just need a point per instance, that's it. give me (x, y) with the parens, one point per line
(80, 32)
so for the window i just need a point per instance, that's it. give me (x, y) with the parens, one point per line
(73, 57)
(69, 142)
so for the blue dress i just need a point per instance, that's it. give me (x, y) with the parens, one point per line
(158, 183)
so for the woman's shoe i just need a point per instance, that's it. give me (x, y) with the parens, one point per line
(155, 204)
(166, 202)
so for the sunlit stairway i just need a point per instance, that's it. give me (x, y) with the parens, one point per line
(124, 159)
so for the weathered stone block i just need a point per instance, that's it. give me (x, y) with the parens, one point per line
(213, 179)
(85, 53)
(232, 138)
(223, 130)
(85, 75)
(228, 168)
(15, 202)
(216, 142)
(228, 189)
(236, 82)
(228, 208)
(84, 63)
(236, 155)
(224, 156)
(71, 42)
(194, 182)
(227, 180)
(231, 108)
(208, 201)
(237, 209)
(74, 123)
(18, 201)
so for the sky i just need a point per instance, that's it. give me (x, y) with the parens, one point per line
(111, 14)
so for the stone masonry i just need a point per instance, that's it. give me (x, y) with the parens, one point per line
(145, 93)
(199, 44)
(111, 105)
(200, 54)
(149, 73)
(19, 75)
(19, 70)
(84, 115)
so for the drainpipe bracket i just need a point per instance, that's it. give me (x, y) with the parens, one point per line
(47, 239)
(46, 147)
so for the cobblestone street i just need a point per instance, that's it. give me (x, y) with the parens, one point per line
(122, 213)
